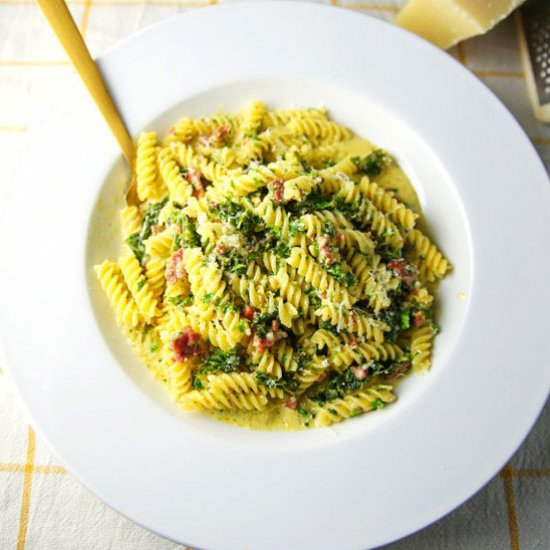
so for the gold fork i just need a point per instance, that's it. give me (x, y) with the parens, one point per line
(60, 19)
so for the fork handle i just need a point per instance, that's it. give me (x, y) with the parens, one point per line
(58, 15)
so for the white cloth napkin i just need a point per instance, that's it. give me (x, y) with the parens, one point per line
(44, 508)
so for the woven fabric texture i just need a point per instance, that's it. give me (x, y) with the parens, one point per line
(41, 506)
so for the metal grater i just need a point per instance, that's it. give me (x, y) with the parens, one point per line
(534, 34)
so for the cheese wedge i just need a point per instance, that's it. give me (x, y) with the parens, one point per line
(446, 22)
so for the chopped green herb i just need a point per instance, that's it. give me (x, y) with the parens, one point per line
(240, 218)
(181, 300)
(395, 316)
(197, 384)
(176, 242)
(267, 381)
(314, 299)
(261, 324)
(274, 242)
(136, 246)
(229, 307)
(379, 369)
(296, 226)
(282, 250)
(373, 164)
(136, 241)
(221, 362)
(377, 404)
(327, 325)
(189, 236)
(337, 386)
(405, 319)
(231, 261)
(140, 283)
(288, 383)
(346, 277)
(312, 203)
(329, 229)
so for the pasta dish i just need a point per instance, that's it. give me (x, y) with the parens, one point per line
(276, 272)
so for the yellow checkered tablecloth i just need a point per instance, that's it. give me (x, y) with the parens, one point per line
(41, 506)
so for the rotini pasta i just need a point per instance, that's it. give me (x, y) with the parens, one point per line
(373, 398)
(272, 269)
(138, 286)
(149, 186)
(112, 282)
(131, 220)
(432, 264)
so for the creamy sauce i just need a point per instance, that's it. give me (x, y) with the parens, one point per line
(276, 416)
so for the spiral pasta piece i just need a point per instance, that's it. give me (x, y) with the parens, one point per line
(265, 361)
(350, 320)
(180, 379)
(345, 351)
(342, 170)
(213, 332)
(253, 117)
(138, 286)
(421, 347)
(122, 302)
(291, 292)
(370, 289)
(249, 291)
(432, 264)
(130, 218)
(225, 157)
(207, 126)
(154, 271)
(282, 117)
(208, 286)
(337, 219)
(353, 405)
(287, 356)
(315, 224)
(179, 188)
(148, 184)
(314, 275)
(160, 245)
(314, 127)
(184, 130)
(177, 289)
(386, 202)
(423, 298)
(258, 177)
(241, 382)
(189, 159)
(370, 216)
(313, 373)
(353, 239)
(146, 344)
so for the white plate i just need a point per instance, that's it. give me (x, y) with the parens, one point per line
(370, 480)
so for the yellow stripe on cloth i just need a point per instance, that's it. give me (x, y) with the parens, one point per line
(26, 497)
